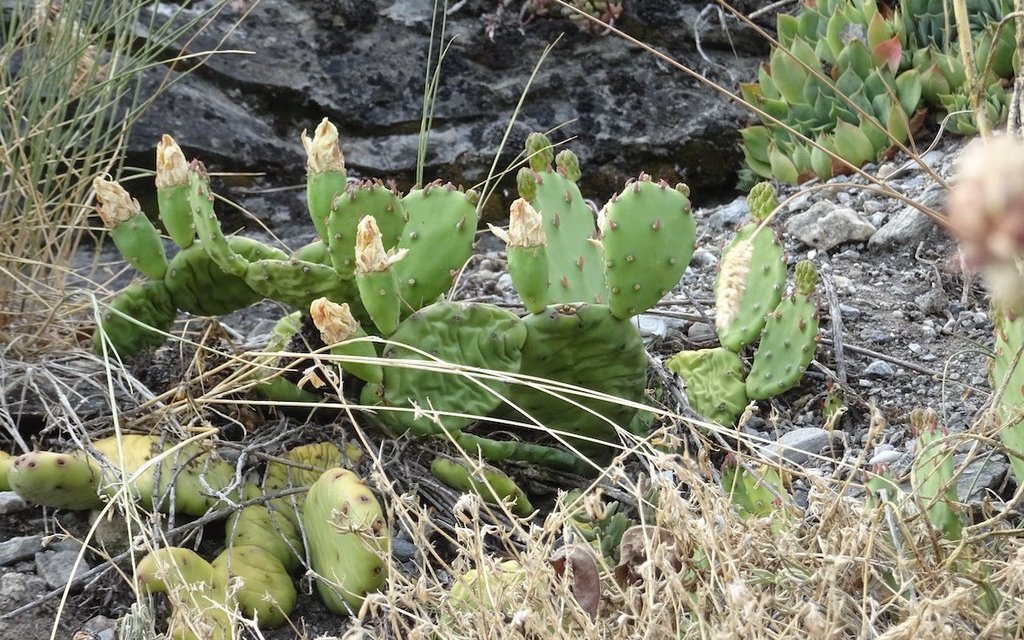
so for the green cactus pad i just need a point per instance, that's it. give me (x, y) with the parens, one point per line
(149, 303)
(648, 234)
(57, 480)
(200, 612)
(315, 251)
(258, 581)
(787, 347)
(1009, 333)
(379, 293)
(197, 285)
(321, 190)
(757, 286)
(139, 242)
(528, 267)
(207, 224)
(255, 525)
(714, 383)
(575, 269)
(176, 214)
(931, 474)
(439, 237)
(276, 387)
(357, 202)
(348, 538)
(491, 484)
(298, 283)
(587, 346)
(467, 334)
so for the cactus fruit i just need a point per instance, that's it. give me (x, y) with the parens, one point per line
(714, 383)
(135, 236)
(375, 278)
(58, 480)
(172, 192)
(491, 484)
(527, 254)
(648, 235)
(150, 305)
(326, 178)
(349, 541)
(788, 341)
(583, 345)
(257, 581)
(341, 332)
(749, 284)
(199, 612)
(932, 474)
(461, 334)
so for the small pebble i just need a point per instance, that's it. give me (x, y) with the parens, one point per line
(57, 567)
(879, 369)
(700, 331)
(914, 347)
(11, 502)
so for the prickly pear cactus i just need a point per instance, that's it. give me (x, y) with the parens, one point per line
(750, 282)
(583, 345)
(349, 540)
(446, 333)
(58, 480)
(714, 383)
(257, 582)
(359, 200)
(932, 473)
(648, 235)
(490, 483)
(199, 611)
(6, 462)
(1009, 330)
(255, 525)
(149, 303)
(789, 339)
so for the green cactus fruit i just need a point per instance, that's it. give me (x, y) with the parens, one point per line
(326, 178)
(932, 472)
(6, 462)
(586, 346)
(257, 581)
(135, 236)
(648, 234)
(788, 341)
(349, 541)
(359, 200)
(527, 254)
(150, 304)
(714, 383)
(197, 285)
(539, 152)
(187, 474)
(462, 334)
(1003, 375)
(576, 261)
(199, 612)
(491, 484)
(762, 200)
(255, 525)
(207, 225)
(342, 333)
(57, 480)
(376, 279)
(439, 239)
(269, 384)
(304, 465)
(172, 192)
(749, 285)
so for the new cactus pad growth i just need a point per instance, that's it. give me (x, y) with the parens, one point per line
(714, 382)
(932, 473)
(349, 540)
(1007, 379)
(491, 484)
(172, 192)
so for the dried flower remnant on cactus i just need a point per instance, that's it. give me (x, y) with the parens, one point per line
(333, 320)
(322, 150)
(171, 165)
(525, 226)
(370, 254)
(115, 204)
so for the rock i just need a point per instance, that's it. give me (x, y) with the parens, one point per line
(934, 302)
(650, 325)
(313, 59)
(879, 369)
(11, 502)
(16, 549)
(702, 258)
(797, 446)
(700, 331)
(57, 567)
(98, 628)
(982, 476)
(849, 313)
(728, 216)
(908, 227)
(824, 226)
(21, 587)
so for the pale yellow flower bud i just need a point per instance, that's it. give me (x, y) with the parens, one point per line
(322, 151)
(171, 166)
(114, 204)
(333, 320)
